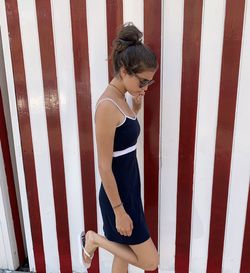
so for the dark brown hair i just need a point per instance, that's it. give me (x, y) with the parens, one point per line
(129, 51)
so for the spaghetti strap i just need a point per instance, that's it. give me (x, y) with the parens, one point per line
(109, 99)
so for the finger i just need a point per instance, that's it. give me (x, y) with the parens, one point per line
(123, 232)
(130, 233)
(120, 231)
(126, 232)
(139, 100)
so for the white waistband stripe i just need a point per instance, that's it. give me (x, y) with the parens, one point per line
(125, 151)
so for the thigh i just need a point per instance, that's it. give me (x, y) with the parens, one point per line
(146, 251)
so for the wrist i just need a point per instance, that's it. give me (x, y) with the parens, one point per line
(119, 210)
(137, 103)
(137, 108)
(117, 206)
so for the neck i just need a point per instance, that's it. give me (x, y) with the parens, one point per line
(118, 88)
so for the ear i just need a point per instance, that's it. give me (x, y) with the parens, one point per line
(123, 72)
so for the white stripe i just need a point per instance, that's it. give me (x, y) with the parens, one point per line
(209, 84)
(240, 163)
(98, 55)
(170, 119)
(125, 151)
(35, 92)
(68, 115)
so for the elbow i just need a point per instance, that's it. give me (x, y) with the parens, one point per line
(104, 169)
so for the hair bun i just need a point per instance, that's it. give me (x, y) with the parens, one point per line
(129, 52)
(128, 35)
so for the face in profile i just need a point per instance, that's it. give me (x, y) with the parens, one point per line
(138, 83)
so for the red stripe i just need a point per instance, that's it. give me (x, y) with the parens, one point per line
(11, 184)
(25, 132)
(47, 51)
(188, 113)
(225, 128)
(84, 111)
(114, 10)
(152, 37)
(245, 261)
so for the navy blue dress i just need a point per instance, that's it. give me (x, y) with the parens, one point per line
(126, 172)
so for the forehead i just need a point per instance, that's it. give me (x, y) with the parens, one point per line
(147, 75)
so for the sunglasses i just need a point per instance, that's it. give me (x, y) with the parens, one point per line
(143, 82)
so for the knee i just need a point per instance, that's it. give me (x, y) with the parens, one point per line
(153, 263)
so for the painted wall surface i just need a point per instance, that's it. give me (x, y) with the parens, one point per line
(194, 147)
(12, 245)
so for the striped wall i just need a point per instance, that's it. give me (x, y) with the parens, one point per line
(12, 244)
(194, 149)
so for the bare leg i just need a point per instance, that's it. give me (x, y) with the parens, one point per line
(144, 255)
(119, 265)
(94, 240)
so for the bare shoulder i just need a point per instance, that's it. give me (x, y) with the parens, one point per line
(106, 112)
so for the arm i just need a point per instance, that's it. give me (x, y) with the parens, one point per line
(106, 122)
(137, 103)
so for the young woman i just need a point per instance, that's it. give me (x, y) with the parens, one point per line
(126, 233)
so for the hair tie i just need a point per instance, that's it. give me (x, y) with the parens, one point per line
(122, 44)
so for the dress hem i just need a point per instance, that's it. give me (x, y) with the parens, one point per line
(128, 243)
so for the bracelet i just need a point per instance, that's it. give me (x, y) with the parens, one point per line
(117, 206)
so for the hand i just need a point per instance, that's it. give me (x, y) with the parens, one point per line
(137, 100)
(124, 223)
